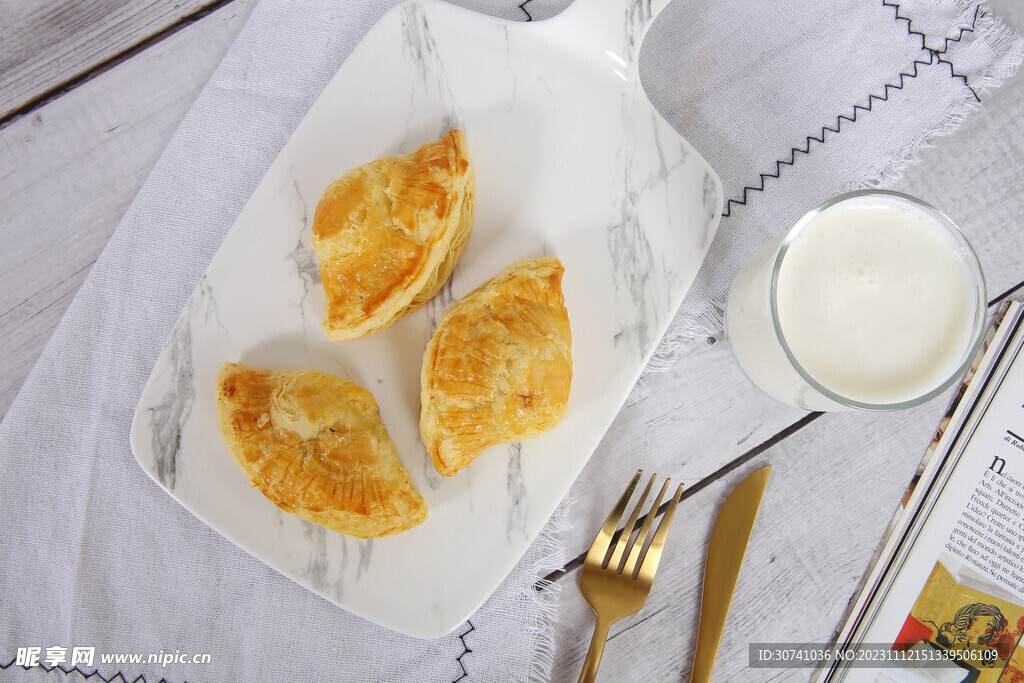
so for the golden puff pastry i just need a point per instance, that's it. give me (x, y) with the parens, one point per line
(315, 446)
(499, 365)
(389, 233)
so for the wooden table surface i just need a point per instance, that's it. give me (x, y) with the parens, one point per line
(91, 92)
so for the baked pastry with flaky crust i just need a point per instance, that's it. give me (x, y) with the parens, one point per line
(315, 446)
(389, 233)
(499, 365)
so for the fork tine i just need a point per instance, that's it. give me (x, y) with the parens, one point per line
(629, 567)
(611, 592)
(649, 562)
(604, 537)
(627, 531)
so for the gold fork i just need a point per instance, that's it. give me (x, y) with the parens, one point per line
(617, 574)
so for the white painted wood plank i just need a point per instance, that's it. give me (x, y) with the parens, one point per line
(977, 176)
(74, 152)
(692, 421)
(684, 423)
(827, 505)
(821, 519)
(47, 42)
(703, 412)
(69, 171)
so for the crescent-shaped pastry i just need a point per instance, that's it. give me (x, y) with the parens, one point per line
(389, 233)
(499, 365)
(315, 446)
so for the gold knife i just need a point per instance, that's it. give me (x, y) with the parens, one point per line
(725, 556)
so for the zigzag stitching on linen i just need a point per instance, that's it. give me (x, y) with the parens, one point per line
(96, 673)
(820, 138)
(465, 648)
(934, 56)
(965, 29)
(937, 53)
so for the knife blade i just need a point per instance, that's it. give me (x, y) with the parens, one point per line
(722, 568)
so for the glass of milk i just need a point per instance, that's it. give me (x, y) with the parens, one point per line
(874, 301)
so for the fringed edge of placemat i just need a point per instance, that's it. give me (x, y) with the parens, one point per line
(708, 323)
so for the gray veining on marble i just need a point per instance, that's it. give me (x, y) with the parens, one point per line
(571, 161)
(315, 570)
(517, 499)
(420, 46)
(169, 416)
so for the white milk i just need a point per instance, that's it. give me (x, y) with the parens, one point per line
(876, 297)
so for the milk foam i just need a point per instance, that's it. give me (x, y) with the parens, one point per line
(875, 302)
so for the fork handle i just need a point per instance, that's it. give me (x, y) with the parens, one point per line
(593, 660)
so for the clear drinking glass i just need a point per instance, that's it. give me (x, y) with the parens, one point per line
(764, 347)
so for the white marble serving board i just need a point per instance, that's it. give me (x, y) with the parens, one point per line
(572, 161)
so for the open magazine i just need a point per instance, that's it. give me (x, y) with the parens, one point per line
(944, 599)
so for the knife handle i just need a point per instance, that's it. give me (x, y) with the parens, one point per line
(722, 568)
(593, 660)
(703, 664)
